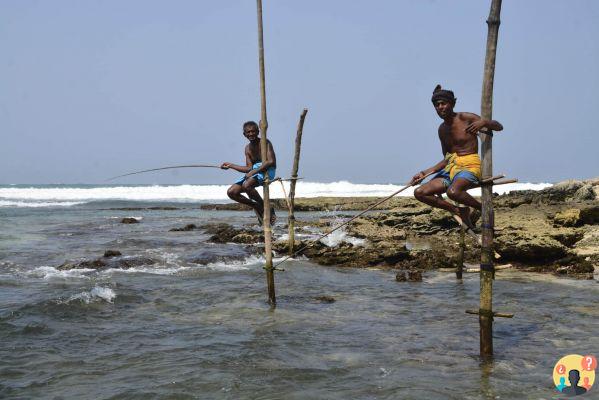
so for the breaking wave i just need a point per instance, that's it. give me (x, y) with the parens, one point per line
(64, 196)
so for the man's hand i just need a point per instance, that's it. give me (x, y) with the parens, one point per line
(225, 165)
(419, 176)
(251, 173)
(476, 126)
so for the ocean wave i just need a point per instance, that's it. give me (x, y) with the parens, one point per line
(34, 204)
(68, 195)
(98, 293)
(51, 273)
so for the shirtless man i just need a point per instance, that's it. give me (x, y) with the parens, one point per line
(254, 170)
(460, 170)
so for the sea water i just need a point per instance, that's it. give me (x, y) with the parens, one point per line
(194, 323)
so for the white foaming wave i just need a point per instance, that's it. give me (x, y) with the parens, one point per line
(240, 265)
(339, 236)
(98, 293)
(48, 273)
(34, 204)
(65, 196)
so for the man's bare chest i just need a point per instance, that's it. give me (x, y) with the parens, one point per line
(456, 134)
(254, 153)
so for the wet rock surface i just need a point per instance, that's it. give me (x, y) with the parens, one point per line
(225, 233)
(186, 228)
(129, 220)
(552, 230)
(111, 259)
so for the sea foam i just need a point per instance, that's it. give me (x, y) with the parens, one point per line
(59, 196)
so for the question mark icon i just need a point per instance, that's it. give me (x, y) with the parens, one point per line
(561, 369)
(589, 363)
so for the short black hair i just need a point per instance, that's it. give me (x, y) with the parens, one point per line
(250, 123)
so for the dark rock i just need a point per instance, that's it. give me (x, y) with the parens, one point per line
(112, 253)
(126, 263)
(129, 220)
(574, 266)
(87, 264)
(325, 299)
(347, 255)
(568, 237)
(401, 276)
(108, 262)
(415, 276)
(409, 276)
(225, 233)
(186, 228)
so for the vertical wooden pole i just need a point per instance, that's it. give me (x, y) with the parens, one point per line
(485, 317)
(270, 278)
(296, 157)
(460, 266)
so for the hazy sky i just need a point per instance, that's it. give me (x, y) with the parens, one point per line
(92, 89)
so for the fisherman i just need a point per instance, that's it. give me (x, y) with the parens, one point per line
(460, 169)
(254, 171)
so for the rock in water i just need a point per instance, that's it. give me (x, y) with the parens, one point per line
(401, 276)
(112, 253)
(225, 233)
(186, 228)
(325, 299)
(415, 276)
(129, 220)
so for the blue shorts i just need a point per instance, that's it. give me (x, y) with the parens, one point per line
(469, 176)
(259, 176)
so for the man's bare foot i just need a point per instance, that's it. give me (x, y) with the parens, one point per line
(259, 216)
(464, 213)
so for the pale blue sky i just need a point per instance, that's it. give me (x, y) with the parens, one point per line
(92, 89)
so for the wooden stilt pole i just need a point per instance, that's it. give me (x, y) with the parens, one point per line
(485, 315)
(270, 278)
(296, 157)
(460, 266)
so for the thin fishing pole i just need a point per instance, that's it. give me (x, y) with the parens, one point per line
(170, 167)
(314, 241)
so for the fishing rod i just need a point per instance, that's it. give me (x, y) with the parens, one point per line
(170, 167)
(314, 241)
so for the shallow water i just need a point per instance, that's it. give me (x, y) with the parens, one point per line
(181, 329)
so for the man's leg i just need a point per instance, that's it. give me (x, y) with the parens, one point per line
(428, 192)
(458, 192)
(249, 186)
(234, 193)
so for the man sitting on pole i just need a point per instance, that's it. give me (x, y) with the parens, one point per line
(460, 169)
(255, 170)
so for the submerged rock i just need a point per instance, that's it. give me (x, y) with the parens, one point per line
(111, 259)
(325, 299)
(112, 253)
(409, 276)
(87, 264)
(186, 228)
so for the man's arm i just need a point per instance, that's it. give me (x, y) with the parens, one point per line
(437, 167)
(240, 168)
(477, 124)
